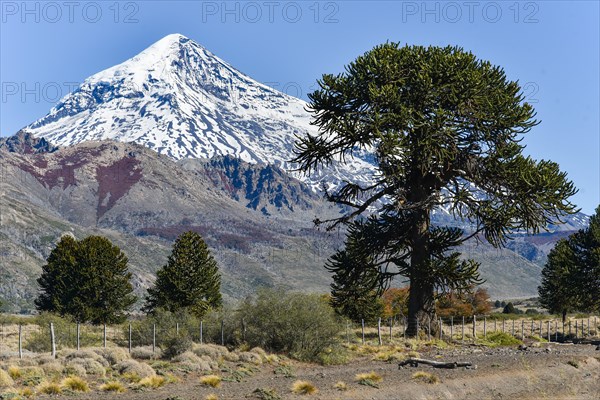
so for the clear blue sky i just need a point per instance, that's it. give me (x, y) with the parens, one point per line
(551, 47)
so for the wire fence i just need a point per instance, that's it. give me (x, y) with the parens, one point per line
(17, 340)
(476, 328)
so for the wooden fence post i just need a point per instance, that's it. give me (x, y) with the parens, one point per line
(513, 328)
(348, 332)
(556, 331)
(222, 333)
(104, 336)
(177, 328)
(523, 329)
(129, 338)
(451, 327)
(20, 343)
(474, 327)
(52, 340)
(153, 338)
(541, 333)
(463, 329)
(379, 331)
(484, 327)
(391, 326)
(589, 334)
(495, 325)
(576, 330)
(429, 329)
(503, 325)
(532, 328)
(362, 324)
(548, 327)
(201, 331)
(441, 329)
(78, 335)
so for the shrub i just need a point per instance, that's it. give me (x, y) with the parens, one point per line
(426, 377)
(142, 370)
(211, 350)
(53, 368)
(210, 380)
(113, 386)
(175, 346)
(74, 369)
(75, 384)
(341, 386)
(146, 353)
(92, 367)
(509, 308)
(303, 387)
(113, 355)
(87, 354)
(302, 325)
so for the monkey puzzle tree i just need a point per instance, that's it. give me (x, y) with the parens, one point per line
(444, 129)
(571, 276)
(88, 280)
(190, 279)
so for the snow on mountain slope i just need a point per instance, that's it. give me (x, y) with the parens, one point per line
(181, 100)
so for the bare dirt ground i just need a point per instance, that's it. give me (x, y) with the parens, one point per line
(542, 371)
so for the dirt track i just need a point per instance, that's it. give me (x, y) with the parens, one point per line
(547, 372)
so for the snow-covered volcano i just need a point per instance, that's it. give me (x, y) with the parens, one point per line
(181, 100)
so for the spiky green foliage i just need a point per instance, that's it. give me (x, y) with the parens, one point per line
(444, 129)
(352, 289)
(88, 280)
(571, 276)
(190, 280)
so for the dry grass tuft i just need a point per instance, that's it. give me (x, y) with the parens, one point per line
(49, 388)
(14, 372)
(75, 384)
(5, 379)
(304, 387)
(113, 386)
(368, 379)
(426, 377)
(341, 386)
(211, 396)
(211, 380)
(152, 382)
(26, 392)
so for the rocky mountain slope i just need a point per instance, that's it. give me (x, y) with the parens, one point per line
(143, 201)
(255, 218)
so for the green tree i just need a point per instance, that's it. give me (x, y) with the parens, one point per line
(88, 280)
(571, 275)
(444, 130)
(190, 279)
(353, 296)
(509, 308)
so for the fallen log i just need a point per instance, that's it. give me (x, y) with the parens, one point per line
(414, 362)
